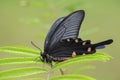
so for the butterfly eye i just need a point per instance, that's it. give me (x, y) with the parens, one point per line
(89, 49)
(73, 54)
(83, 54)
(84, 43)
(76, 40)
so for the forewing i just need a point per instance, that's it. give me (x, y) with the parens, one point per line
(68, 28)
(50, 33)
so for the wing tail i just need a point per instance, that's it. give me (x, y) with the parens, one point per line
(102, 44)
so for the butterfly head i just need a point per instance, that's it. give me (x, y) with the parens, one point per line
(42, 57)
(45, 57)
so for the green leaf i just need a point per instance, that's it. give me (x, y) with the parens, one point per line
(16, 61)
(20, 72)
(20, 51)
(98, 56)
(36, 79)
(72, 77)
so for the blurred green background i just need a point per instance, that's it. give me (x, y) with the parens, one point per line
(22, 21)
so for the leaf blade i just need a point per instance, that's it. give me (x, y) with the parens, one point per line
(20, 51)
(17, 61)
(98, 56)
(35, 79)
(20, 72)
(72, 77)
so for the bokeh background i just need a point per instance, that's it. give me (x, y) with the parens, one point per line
(22, 21)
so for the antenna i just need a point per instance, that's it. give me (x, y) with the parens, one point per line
(36, 46)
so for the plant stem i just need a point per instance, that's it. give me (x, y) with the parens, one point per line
(61, 71)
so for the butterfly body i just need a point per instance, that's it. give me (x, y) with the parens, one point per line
(62, 41)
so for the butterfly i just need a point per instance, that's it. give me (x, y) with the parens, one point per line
(62, 40)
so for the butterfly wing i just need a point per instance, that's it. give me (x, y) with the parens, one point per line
(68, 28)
(51, 32)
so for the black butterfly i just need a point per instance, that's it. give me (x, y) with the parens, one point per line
(62, 40)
